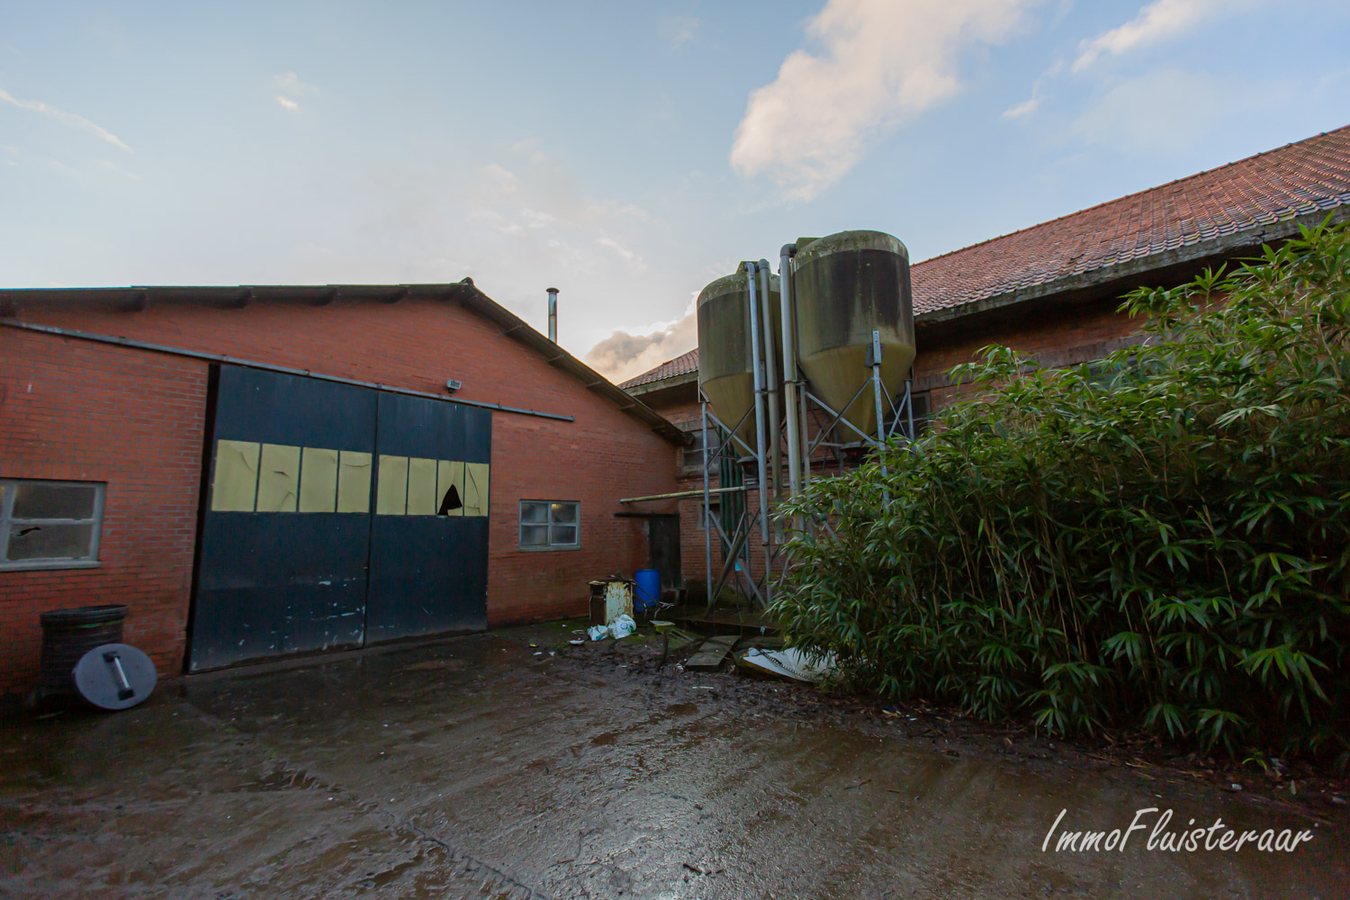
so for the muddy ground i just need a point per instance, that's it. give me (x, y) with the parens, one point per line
(473, 767)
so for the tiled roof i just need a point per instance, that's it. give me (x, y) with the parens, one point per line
(680, 365)
(1299, 179)
(1294, 180)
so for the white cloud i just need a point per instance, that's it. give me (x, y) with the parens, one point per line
(1159, 21)
(65, 118)
(884, 61)
(290, 83)
(677, 31)
(1025, 108)
(624, 354)
(1033, 103)
(504, 178)
(109, 166)
(291, 87)
(623, 252)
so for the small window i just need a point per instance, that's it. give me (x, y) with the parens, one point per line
(49, 524)
(714, 506)
(691, 457)
(550, 524)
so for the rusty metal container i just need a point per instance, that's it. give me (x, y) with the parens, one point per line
(610, 598)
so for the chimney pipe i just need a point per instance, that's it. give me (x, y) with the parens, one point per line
(553, 314)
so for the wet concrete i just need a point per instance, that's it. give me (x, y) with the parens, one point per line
(473, 768)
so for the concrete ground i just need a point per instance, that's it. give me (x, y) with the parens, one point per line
(474, 768)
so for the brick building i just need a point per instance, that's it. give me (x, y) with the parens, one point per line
(273, 470)
(1052, 291)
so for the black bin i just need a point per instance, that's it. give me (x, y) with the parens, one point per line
(68, 634)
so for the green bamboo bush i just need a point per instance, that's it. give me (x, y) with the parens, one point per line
(1160, 540)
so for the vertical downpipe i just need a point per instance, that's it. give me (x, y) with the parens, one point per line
(553, 315)
(875, 362)
(909, 405)
(794, 448)
(707, 510)
(875, 355)
(775, 440)
(757, 361)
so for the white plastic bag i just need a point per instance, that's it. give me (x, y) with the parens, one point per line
(622, 627)
(598, 632)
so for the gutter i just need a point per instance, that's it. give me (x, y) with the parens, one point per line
(648, 387)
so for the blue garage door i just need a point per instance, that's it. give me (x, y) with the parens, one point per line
(428, 546)
(336, 515)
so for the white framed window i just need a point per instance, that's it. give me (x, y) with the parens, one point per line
(49, 524)
(550, 524)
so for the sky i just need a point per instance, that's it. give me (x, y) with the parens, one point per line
(626, 153)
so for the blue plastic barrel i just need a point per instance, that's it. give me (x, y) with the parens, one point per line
(648, 589)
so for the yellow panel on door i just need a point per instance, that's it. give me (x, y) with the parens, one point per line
(318, 480)
(353, 493)
(236, 478)
(450, 473)
(421, 487)
(475, 489)
(278, 478)
(391, 494)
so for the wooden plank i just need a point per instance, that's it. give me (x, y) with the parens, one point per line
(713, 651)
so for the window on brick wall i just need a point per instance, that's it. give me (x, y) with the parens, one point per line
(691, 457)
(49, 524)
(713, 505)
(550, 524)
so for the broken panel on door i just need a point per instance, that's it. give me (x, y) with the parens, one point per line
(428, 555)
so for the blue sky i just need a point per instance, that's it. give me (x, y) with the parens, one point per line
(627, 153)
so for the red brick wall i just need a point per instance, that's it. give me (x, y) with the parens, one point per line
(157, 402)
(597, 461)
(72, 410)
(1030, 333)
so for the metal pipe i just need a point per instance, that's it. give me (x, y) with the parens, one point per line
(553, 314)
(757, 362)
(876, 383)
(803, 415)
(881, 418)
(770, 379)
(794, 448)
(909, 407)
(683, 495)
(268, 367)
(707, 510)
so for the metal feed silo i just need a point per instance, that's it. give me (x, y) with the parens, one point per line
(726, 358)
(847, 285)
